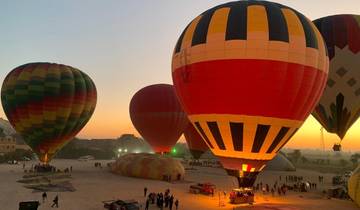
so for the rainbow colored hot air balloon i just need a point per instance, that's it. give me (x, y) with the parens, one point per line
(248, 73)
(157, 115)
(195, 142)
(48, 104)
(339, 106)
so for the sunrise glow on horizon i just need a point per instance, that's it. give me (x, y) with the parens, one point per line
(124, 46)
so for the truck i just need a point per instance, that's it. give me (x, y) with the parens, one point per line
(203, 188)
(242, 196)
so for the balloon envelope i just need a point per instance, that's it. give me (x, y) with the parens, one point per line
(248, 73)
(48, 104)
(157, 115)
(353, 186)
(339, 106)
(195, 142)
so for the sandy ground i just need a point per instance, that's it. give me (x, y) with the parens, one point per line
(94, 185)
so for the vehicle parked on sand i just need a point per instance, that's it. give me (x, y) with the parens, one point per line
(86, 158)
(29, 205)
(203, 188)
(241, 196)
(121, 205)
(13, 162)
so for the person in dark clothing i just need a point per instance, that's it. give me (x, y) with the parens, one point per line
(167, 200)
(171, 201)
(145, 191)
(161, 202)
(55, 202)
(44, 197)
(147, 204)
(177, 204)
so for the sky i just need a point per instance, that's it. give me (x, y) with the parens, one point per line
(124, 45)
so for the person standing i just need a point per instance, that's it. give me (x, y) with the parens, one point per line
(147, 204)
(171, 201)
(177, 204)
(44, 197)
(145, 191)
(55, 202)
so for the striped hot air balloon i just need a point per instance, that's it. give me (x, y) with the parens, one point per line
(248, 73)
(48, 104)
(157, 115)
(195, 142)
(339, 106)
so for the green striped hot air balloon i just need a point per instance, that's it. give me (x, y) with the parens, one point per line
(48, 104)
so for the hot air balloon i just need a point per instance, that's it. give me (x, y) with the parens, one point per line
(353, 186)
(248, 73)
(195, 142)
(48, 104)
(157, 115)
(339, 106)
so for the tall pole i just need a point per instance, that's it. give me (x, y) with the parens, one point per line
(322, 140)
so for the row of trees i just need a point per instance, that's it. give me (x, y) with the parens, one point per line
(18, 154)
(297, 157)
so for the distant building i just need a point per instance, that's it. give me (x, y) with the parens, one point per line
(7, 144)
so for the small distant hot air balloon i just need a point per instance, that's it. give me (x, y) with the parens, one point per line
(339, 106)
(195, 142)
(157, 115)
(248, 73)
(48, 104)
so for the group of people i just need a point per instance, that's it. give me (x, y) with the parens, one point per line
(162, 200)
(55, 200)
(265, 188)
(40, 168)
(292, 178)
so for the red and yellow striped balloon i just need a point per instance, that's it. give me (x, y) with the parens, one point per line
(248, 73)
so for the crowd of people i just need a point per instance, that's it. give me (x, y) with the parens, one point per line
(161, 200)
(291, 182)
(44, 168)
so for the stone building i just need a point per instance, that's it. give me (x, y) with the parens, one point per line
(7, 144)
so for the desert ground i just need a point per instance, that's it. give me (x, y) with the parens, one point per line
(94, 185)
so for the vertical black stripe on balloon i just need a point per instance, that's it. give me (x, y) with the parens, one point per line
(197, 125)
(237, 22)
(340, 113)
(278, 30)
(180, 40)
(325, 27)
(237, 130)
(310, 36)
(287, 140)
(214, 129)
(283, 131)
(201, 30)
(261, 132)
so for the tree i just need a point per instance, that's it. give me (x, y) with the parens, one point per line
(354, 159)
(304, 159)
(343, 162)
(295, 155)
(2, 134)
